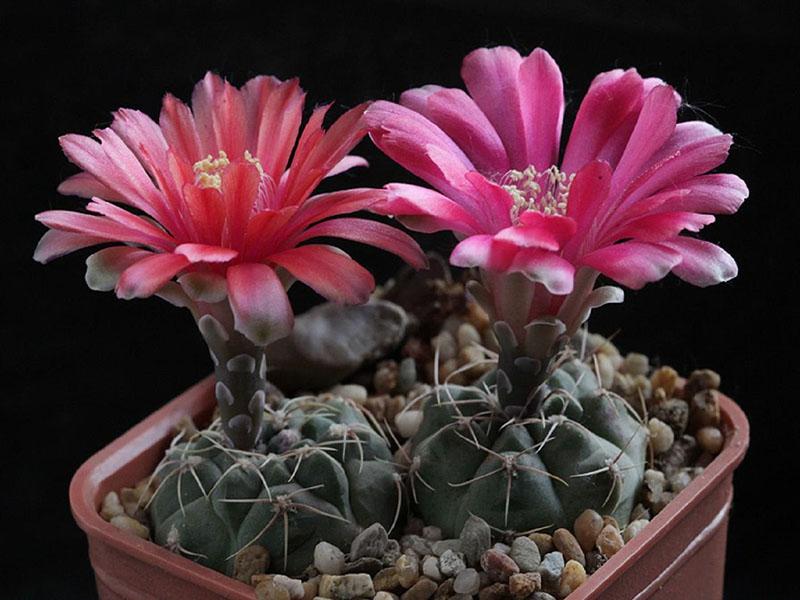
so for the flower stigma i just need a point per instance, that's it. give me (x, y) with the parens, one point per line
(545, 191)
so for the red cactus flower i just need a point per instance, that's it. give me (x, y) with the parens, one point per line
(631, 178)
(220, 196)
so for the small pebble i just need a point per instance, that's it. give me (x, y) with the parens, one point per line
(467, 335)
(475, 539)
(587, 527)
(451, 563)
(569, 547)
(407, 570)
(609, 520)
(328, 559)
(550, 569)
(346, 587)
(442, 546)
(661, 435)
(406, 375)
(293, 586)
(267, 590)
(446, 344)
(422, 590)
(445, 590)
(385, 596)
(544, 541)
(498, 565)
(572, 577)
(253, 560)
(501, 547)
(311, 588)
(704, 409)
(352, 391)
(126, 523)
(522, 585)
(678, 481)
(594, 560)
(365, 564)
(467, 582)
(111, 506)
(701, 379)
(639, 512)
(385, 378)
(370, 543)
(525, 553)
(386, 579)
(542, 596)
(635, 364)
(432, 533)
(606, 369)
(682, 454)
(609, 542)
(408, 422)
(430, 568)
(664, 378)
(496, 591)
(674, 413)
(633, 529)
(417, 543)
(710, 439)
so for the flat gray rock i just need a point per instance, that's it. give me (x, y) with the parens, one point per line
(332, 341)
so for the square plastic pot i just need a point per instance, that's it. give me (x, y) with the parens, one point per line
(680, 554)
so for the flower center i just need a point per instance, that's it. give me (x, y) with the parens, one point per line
(208, 171)
(545, 191)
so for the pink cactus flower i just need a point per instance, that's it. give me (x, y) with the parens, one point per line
(630, 180)
(210, 196)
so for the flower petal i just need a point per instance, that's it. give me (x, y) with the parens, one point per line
(542, 104)
(328, 271)
(261, 308)
(492, 79)
(660, 226)
(204, 286)
(205, 253)
(177, 125)
(147, 276)
(549, 269)
(702, 263)
(457, 115)
(104, 268)
(274, 113)
(55, 244)
(420, 146)
(611, 98)
(373, 233)
(633, 264)
(426, 210)
(484, 251)
(87, 186)
(65, 220)
(348, 162)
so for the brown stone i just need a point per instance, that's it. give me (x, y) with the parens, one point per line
(253, 560)
(445, 589)
(387, 579)
(702, 379)
(522, 585)
(587, 527)
(609, 520)
(710, 439)
(566, 543)
(673, 412)
(572, 577)
(595, 560)
(422, 590)
(496, 591)
(609, 542)
(311, 588)
(497, 565)
(267, 590)
(544, 541)
(407, 570)
(704, 410)
(664, 378)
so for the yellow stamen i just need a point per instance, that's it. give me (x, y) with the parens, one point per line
(208, 170)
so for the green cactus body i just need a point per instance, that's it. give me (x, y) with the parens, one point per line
(582, 448)
(322, 473)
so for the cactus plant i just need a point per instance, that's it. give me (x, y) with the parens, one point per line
(573, 447)
(320, 472)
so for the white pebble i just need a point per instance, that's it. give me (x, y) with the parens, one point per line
(468, 335)
(328, 559)
(661, 435)
(408, 422)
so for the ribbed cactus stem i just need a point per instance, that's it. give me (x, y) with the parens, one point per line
(241, 368)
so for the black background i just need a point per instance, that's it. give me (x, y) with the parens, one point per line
(81, 367)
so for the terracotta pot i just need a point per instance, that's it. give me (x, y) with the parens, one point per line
(680, 554)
